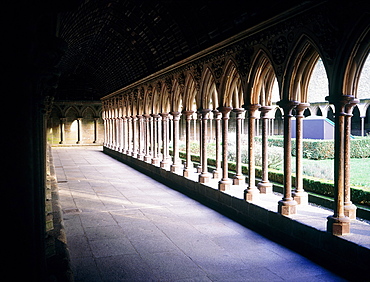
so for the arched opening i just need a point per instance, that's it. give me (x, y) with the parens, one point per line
(356, 122)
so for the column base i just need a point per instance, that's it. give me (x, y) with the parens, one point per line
(300, 197)
(204, 177)
(265, 187)
(338, 225)
(251, 194)
(187, 172)
(224, 184)
(165, 165)
(239, 180)
(350, 211)
(155, 161)
(217, 173)
(175, 168)
(287, 207)
(148, 159)
(199, 169)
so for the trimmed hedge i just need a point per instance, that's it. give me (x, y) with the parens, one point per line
(324, 149)
(310, 184)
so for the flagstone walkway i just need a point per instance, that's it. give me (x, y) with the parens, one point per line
(122, 225)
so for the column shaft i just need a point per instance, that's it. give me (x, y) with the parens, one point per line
(338, 223)
(176, 163)
(299, 195)
(239, 178)
(225, 182)
(287, 206)
(217, 117)
(265, 185)
(189, 168)
(204, 176)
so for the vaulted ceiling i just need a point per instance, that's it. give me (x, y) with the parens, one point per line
(114, 43)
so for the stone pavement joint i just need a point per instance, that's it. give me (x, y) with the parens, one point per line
(122, 225)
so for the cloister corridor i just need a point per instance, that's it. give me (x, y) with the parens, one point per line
(122, 225)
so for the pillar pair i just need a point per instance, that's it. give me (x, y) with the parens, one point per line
(344, 210)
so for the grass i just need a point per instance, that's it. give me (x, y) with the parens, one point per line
(359, 170)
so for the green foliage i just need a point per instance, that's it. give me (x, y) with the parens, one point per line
(324, 149)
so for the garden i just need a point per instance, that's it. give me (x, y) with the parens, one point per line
(318, 164)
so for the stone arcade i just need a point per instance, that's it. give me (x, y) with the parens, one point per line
(153, 63)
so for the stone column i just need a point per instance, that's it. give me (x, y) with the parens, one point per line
(338, 223)
(62, 125)
(95, 129)
(124, 142)
(129, 133)
(349, 207)
(217, 117)
(134, 136)
(362, 125)
(78, 130)
(189, 168)
(165, 163)
(199, 120)
(225, 182)
(204, 175)
(147, 135)
(176, 164)
(251, 193)
(299, 195)
(265, 185)
(239, 178)
(287, 206)
(155, 159)
(140, 138)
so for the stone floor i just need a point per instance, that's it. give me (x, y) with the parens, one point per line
(122, 225)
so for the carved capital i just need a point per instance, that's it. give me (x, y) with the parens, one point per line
(264, 111)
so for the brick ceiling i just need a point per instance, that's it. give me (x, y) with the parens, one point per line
(114, 43)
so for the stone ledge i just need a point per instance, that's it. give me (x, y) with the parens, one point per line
(342, 256)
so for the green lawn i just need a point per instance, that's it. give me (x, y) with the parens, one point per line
(360, 173)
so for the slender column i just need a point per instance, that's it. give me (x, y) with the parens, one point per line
(338, 223)
(155, 159)
(165, 163)
(204, 176)
(134, 136)
(239, 178)
(252, 193)
(124, 134)
(118, 133)
(287, 206)
(363, 125)
(199, 121)
(62, 125)
(78, 130)
(95, 129)
(265, 185)
(147, 157)
(225, 182)
(299, 195)
(189, 168)
(349, 207)
(129, 124)
(217, 117)
(176, 165)
(140, 136)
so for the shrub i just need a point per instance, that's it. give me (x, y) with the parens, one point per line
(324, 149)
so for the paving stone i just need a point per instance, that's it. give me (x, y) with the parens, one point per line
(128, 227)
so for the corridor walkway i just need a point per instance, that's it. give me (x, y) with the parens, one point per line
(122, 225)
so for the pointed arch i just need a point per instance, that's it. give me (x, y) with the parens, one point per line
(176, 97)
(299, 69)
(209, 97)
(231, 93)
(357, 59)
(190, 94)
(261, 79)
